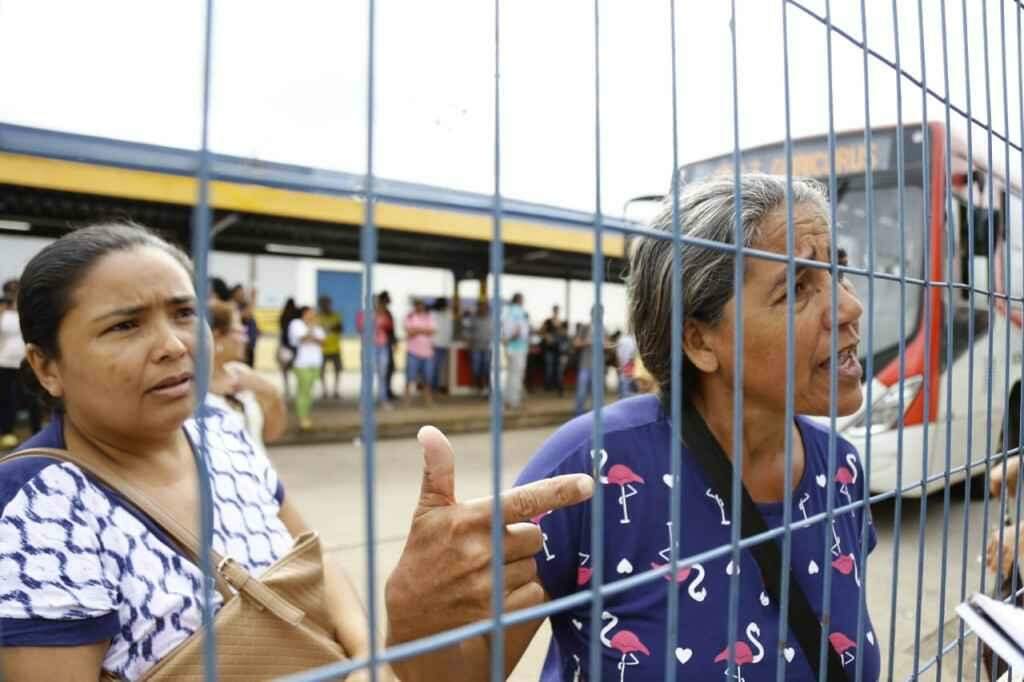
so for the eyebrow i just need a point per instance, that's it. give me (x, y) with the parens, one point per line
(780, 279)
(135, 310)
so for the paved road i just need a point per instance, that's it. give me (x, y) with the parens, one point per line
(326, 481)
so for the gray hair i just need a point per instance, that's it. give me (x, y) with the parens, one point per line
(706, 211)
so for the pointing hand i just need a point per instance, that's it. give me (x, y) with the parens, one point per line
(443, 578)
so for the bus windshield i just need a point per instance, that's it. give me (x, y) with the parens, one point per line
(851, 234)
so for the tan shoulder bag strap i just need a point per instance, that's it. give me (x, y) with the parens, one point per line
(109, 476)
(227, 572)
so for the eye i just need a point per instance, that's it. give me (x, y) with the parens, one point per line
(124, 326)
(185, 313)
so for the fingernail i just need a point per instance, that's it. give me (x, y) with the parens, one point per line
(586, 485)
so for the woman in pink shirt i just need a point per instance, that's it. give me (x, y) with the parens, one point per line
(419, 358)
(383, 325)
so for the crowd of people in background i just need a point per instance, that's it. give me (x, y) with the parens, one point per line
(309, 352)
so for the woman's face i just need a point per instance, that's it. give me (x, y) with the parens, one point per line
(764, 325)
(127, 360)
(230, 346)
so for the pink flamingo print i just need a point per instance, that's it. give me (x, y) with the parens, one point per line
(696, 592)
(845, 476)
(845, 564)
(548, 556)
(842, 644)
(740, 652)
(625, 642)
(622, 476)
(583, 571)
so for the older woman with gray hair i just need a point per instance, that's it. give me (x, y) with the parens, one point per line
(635, 462)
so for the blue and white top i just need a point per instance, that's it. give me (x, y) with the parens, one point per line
(78, 564)
(637, 486)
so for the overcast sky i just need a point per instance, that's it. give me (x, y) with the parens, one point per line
(290, 82)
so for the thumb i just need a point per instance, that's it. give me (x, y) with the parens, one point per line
(438, 488)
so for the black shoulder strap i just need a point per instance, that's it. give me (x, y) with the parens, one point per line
(718, 469)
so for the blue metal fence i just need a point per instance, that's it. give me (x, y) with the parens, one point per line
(207, 167)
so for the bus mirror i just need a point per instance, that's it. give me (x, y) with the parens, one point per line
(981, 230)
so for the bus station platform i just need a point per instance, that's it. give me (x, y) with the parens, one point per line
(342, 420)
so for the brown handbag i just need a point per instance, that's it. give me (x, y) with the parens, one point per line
(270, 626)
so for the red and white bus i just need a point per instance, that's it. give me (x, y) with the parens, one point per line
(927, 360)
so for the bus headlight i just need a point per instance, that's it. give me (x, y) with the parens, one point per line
(885, 409)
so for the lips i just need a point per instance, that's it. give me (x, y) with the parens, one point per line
(172, 382)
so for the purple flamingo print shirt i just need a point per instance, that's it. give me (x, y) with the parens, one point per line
(637, 483)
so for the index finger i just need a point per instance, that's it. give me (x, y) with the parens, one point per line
(533, 499)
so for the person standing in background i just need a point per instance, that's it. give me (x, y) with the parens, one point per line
(515, 332)
(12, 352)
(625, 353)
(234, 387)
(419, 357)
(306, 335)
(480, 337)
(285, 349)
(584, 345)
(385, 300)
(549, 347)
(252, 334)
(381, 352)
(442, 341)
(333, 326)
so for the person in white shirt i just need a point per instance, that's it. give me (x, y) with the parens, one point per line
(12, 352)
(235, 387)
(625, 353)
(308, 338)
(442, 341)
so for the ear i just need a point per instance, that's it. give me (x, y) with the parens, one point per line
(45, 369)
(698, 344)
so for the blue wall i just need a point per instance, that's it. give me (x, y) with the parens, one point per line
(346, 292)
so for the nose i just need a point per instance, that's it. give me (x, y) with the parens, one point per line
(172, 341)
(848, 307)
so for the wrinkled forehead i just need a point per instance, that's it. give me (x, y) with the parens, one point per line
(132, 277)
(812, 233)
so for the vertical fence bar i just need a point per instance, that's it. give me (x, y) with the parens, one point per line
(497, 423)
(787, 510)
(926, 148)
(675, 446)
(597, 364)
(970, 335)
(950, 296)
(926, 211)
(200, 252)
(1009, 290)
(902, 348)
(368, 254)
(1005, 435)
(869, 369)
(989, 365)
(833, 343)
(737, 403)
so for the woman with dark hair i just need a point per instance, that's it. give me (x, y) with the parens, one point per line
(235, 386)
(91, 585)
(285, 349)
